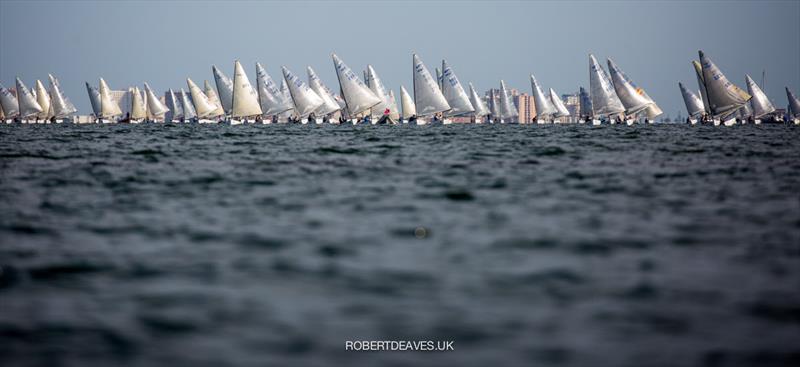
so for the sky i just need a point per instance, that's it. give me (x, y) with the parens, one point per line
(164, 42)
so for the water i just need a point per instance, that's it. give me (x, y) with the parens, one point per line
(525, 245)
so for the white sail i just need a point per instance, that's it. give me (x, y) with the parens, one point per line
(154, 106)
(108, 107)
(631, 96)
(760, 103)
(507, 109)
(794, 103)
(70, 107)
(43, 99)
(694, 105)
(94, 98)
(245, 98)
(723, 96)
(428, 98)
(604, 99)
(558, 104)
(59, 103)
(272, 101)
(188, 108)
(202, 105)
(394, 112)
(214, 98)
(745, 111)
(304, 99)
(176, 111)
(329, 104)
(10, 104)
(377, 88)
(541, 102)
(224, 89)
(439, 78)
(27, 102)
(698, 70)
(407, 104)
(357, 96)
(288, 96)
(454, 93)
(138, 110)
(477, 102)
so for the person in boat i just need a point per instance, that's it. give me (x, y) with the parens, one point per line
(412, 118)
(342, 120)
(311, 117)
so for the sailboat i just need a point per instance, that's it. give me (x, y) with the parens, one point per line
(189, 112)
(287, 115)
(724, 98)
(507, 109)
(214, 98)
(605, 102)
(94, 99)
(585, 107)
(558, 104)
(428, 97)
(176, 110)
(544, 109)
(329, 104)
(633, 98)
(493, 109)
(43, 99)
(244, 101)
(394, 112)
(28, 106)
(272, 101)
(376, 86)
(304, 99)
(480, 108)
(224, 89)
(203, 106)
(138, 109)
(760, 104)
(793, 109)
(407, 104)
(155, 109)
(357, 96)
(454, 93)
(62, 107)
(10, 105)
(108, 107)
(694, 105)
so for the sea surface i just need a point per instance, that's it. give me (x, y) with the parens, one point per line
(571, 245)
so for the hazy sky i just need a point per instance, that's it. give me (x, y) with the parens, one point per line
(163, 42)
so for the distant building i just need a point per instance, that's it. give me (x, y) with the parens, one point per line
(573, 104)
(525, 107)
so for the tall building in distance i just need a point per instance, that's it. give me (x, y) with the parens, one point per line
(525, 107)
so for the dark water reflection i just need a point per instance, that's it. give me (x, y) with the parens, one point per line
(542, 245)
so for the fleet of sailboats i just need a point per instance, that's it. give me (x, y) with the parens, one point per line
(612, 97)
